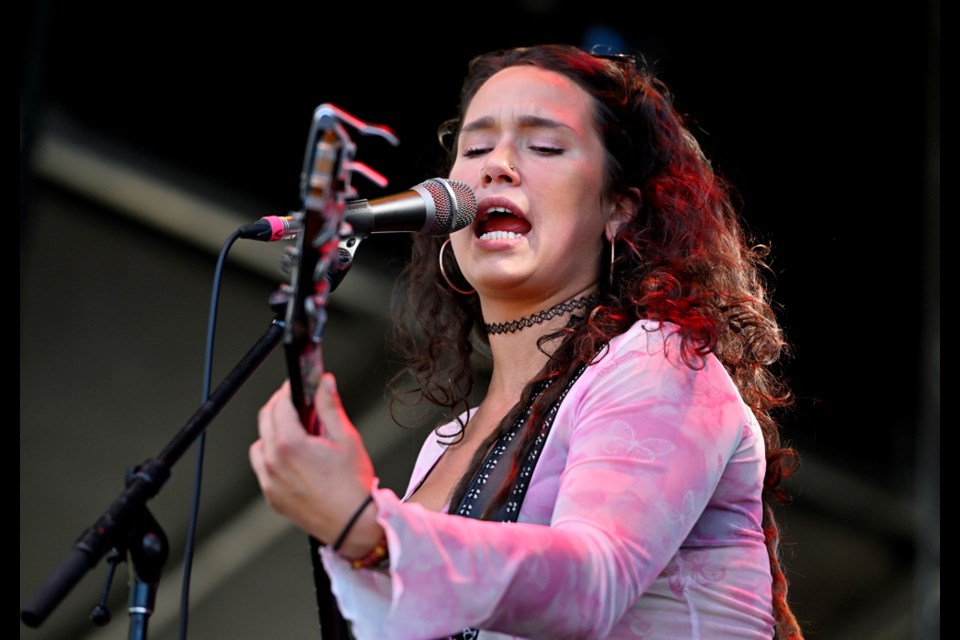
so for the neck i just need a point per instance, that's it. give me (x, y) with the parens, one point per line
(517, 357)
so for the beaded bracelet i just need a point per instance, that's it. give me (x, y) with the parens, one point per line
(376, 559)
(352, 521)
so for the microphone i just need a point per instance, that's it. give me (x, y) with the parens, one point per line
(435, 207)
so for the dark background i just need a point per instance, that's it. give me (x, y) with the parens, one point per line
(825, 116)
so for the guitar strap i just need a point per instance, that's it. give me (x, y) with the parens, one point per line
(496, 466)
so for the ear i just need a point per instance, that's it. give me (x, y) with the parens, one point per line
(624, 206)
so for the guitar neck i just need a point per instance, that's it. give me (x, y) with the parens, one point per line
(305, 367)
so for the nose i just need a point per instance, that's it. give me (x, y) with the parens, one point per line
(499, 169)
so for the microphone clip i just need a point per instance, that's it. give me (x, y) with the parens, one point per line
(346, 250)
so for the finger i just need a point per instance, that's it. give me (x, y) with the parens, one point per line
(258, 463)
(327, 395)
(266, 415)
(330, 408)
(255, 453)
(282, 407)
(281, 431)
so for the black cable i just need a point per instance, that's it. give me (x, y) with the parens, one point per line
(201, 441)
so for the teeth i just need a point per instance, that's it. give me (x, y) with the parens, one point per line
(500, 235)
(499, 210)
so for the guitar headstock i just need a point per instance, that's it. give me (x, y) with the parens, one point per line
(325, 187)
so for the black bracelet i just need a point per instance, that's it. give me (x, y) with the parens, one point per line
(352, 521)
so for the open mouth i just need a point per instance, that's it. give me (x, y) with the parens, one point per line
(500, 223)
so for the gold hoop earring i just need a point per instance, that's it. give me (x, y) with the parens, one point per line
(443, 272)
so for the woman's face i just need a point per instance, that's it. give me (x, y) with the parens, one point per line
(530, 149)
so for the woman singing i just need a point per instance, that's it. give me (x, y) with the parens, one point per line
(617, 475)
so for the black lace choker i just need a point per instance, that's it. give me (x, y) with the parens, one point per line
(540, 317)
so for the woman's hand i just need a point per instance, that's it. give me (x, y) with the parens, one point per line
(318, 482)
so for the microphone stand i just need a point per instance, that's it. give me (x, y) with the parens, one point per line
(127, 524)
(147, 551)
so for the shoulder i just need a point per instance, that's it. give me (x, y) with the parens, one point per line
(644, 339)
(642, 377)
(641, 410)
(649, 348)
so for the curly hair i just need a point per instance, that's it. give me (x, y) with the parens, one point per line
(684, 258)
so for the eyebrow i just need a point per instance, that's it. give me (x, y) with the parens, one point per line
(528, 122)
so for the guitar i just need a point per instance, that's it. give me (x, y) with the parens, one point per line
(316, 264)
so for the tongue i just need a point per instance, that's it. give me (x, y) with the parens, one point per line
(504, 222)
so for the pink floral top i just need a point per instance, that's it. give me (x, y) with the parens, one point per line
(642, 520)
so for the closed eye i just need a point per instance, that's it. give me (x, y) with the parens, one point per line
(473, 152)
(547, 151)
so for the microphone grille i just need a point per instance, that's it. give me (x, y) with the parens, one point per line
(455, 202)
